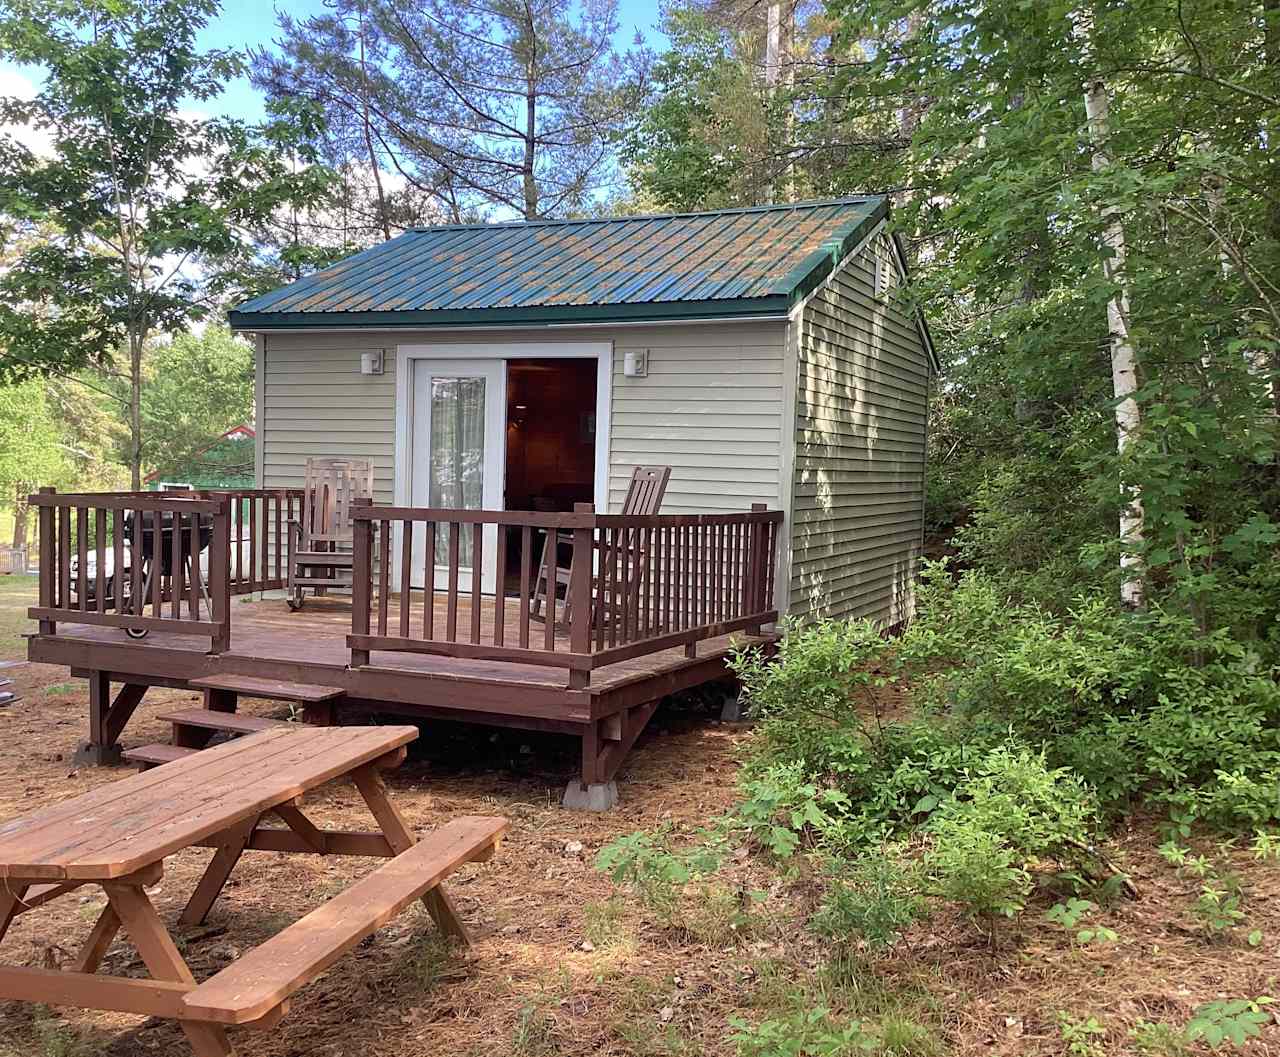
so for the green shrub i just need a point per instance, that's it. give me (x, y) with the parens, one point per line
(977, 870)
(655, 871)
(874, 898)
(1143, 706)
(806, 1032)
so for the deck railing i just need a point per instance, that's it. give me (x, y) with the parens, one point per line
(158, 561)
(636, 585)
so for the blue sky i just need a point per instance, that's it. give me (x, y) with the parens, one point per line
(249, 23)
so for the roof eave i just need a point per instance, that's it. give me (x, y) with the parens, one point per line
(661, 312)
(806, 276)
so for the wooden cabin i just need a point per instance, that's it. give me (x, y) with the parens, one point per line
(505, 380)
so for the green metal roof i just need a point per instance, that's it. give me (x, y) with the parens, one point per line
(733, 262)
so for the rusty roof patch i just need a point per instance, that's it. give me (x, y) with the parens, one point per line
(729, 262)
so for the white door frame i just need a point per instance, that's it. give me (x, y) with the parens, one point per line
(601, 351)
(495, 445)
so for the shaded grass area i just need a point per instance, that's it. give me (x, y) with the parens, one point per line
(17, 593)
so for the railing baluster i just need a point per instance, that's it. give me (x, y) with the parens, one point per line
(117, 560)
(549, 578)
(239, 581)
(451, 617)
(155, 565)
(100, 560)
(137, 604)
(384, 572)
(477, 576)
(406, 570)
(175, 568)
(429, 583)
(500, 588)
(82, 556)
(278, 536)
(193, 549)
(526, 563)
(264, 567)
(257, 528)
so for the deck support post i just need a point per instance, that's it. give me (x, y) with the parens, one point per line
(319, 713)
(107, 719)
(605, 744)
(217, 700)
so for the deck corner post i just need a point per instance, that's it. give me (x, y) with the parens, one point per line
(756, 602)
(361, 575)
(102, 748)
(578, 607)
(48, 562)
(220, 576)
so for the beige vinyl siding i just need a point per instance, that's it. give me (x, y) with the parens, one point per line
(861, 411)
(317, 403)
(711, 406)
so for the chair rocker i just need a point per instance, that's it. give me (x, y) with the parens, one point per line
(644, 498)
(321, 543)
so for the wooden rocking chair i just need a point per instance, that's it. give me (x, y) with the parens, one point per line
(321, 543)
(644, 498)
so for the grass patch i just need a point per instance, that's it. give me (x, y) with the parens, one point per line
(603, 922)
(17, 593)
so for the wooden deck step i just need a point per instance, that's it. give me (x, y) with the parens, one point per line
(148, 756)
(269, 689)
(256, 984)
(225, 722)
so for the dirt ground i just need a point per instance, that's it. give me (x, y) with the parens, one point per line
(566, 964)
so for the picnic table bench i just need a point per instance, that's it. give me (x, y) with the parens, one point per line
(118, 836)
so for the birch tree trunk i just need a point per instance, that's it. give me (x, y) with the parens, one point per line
(1124, 361)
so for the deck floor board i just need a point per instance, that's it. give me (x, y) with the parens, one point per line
(316, 638)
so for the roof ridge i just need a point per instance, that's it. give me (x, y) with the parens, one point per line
(812, 203)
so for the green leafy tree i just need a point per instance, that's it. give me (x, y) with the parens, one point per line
(196, 387)
(152, 209)
(32, 452)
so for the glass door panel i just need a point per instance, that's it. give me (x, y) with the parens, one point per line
(458, 458)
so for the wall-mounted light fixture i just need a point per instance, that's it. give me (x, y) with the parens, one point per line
(636, 364)
(371, 362)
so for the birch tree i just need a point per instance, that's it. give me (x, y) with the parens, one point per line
(1124, 360)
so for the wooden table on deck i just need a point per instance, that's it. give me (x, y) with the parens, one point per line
(118, 836)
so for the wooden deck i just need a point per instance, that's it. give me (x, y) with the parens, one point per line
(653, 604)
(310, 646)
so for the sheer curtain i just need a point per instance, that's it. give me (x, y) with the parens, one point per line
(457, 450)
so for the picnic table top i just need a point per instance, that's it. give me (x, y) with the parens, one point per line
(120, 828)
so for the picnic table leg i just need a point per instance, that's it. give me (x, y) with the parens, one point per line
(95, 947)
(163, 960)
(10, 901)
(236, 839)
(401, 838)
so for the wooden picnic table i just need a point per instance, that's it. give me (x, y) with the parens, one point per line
(118, 835)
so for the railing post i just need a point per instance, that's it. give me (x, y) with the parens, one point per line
(361, 576)
(219, 573)
(755, 568)
(578, 605)
(48, 560)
